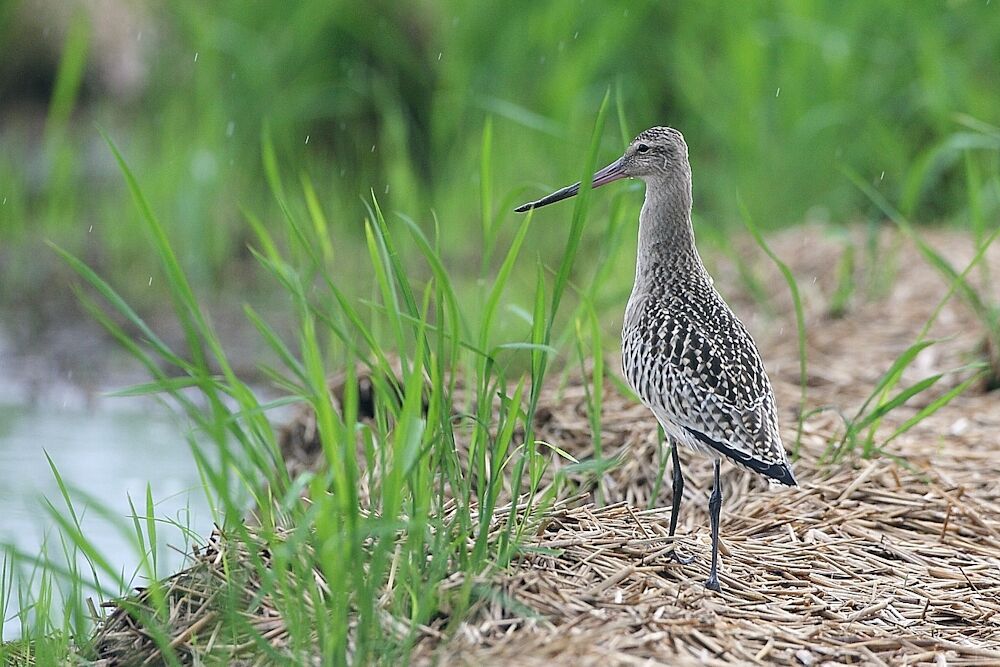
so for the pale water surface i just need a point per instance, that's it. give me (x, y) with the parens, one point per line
(107, 453)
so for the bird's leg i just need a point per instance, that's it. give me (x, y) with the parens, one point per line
(678, 488)
(678, 492)
(714, 508)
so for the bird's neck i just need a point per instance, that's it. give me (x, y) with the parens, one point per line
(666, 236)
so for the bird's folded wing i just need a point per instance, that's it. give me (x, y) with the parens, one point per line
(774, 466)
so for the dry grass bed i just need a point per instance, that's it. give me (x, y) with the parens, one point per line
(865, 565)
(198, 612)
(868, 562)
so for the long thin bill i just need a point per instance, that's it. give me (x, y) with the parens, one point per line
(612, 172)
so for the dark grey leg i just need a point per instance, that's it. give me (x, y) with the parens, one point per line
(714, 507)
(678, 488)
(675, 507)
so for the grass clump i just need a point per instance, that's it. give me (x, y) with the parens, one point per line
(396, 507)
(861, 429)
(978, 143)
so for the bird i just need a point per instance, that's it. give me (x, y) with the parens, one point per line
(685, 354)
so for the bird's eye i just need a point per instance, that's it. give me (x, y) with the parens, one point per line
(642, 148)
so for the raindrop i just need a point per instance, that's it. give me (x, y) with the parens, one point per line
(307, 138)
(439, 55)
(90, 229)
(576, 34)
(387, 188)
(230, 128)
(204, 165)
(196, 56)
(778, 91)
(373, 148)
(4, 202)
(881, 176)
(541, 61)
(150, 283)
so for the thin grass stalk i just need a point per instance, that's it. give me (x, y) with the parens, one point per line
(800, 323)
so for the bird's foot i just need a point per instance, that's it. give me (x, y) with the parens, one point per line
(677, 557)
(713, 583)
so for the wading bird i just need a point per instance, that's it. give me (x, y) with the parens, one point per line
(684, 352)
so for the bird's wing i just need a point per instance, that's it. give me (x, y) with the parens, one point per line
(706, 377)
(748, 437)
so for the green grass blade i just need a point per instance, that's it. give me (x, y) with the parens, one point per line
(579, 215)
(800, 320)
(486, 191)
(501, 281)
(932, 407)
(892, 375)
(899, 399)
(69, 76)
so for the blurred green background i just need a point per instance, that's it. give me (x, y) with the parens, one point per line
(392, 98)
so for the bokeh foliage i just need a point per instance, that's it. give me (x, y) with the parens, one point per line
(773, 97)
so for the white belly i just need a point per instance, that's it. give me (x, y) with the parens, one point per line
(678, 434)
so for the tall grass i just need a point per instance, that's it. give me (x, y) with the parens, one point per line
(396, 493)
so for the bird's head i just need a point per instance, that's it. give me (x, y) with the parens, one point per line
(659, 153)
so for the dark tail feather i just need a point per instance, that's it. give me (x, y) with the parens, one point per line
(779, 472)
(782, 473)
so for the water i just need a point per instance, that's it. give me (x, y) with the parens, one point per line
(108, 454)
